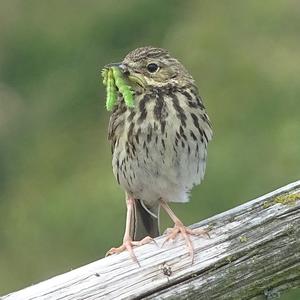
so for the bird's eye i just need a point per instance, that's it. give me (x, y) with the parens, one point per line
(152, 67)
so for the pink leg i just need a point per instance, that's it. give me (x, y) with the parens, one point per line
(128, 243)
(179, 228)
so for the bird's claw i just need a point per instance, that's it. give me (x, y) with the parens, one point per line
(185, 232)
(128, 244)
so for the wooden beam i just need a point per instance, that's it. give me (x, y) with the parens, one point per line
(253, 253)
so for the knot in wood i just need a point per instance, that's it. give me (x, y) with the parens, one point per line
(166, 269)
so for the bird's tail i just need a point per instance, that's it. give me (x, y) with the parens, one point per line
(145, 221)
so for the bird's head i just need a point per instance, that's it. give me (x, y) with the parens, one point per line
(149, 66)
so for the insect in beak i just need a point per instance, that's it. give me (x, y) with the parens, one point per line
(115, 80)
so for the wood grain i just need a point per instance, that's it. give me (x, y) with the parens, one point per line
(253, 253)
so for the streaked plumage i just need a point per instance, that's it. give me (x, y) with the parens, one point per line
(160, 146)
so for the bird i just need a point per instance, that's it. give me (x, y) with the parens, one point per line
(159, 146)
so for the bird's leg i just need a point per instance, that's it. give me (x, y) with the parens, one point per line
(128, 243)
(179, 228)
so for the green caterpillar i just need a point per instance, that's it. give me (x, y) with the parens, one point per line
(114, 81)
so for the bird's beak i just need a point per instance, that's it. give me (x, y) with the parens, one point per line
(121, 66)
(136, 78)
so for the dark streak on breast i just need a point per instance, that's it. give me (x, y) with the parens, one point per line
(142, 109)
(180, 112)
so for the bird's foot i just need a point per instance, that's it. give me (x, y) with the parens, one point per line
(185, 232)
(128, 244)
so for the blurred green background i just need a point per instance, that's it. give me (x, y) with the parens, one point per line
(60, 206)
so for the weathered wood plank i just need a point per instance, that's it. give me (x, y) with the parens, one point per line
(253, 253)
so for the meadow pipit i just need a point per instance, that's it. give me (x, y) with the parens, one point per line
(159, 145)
